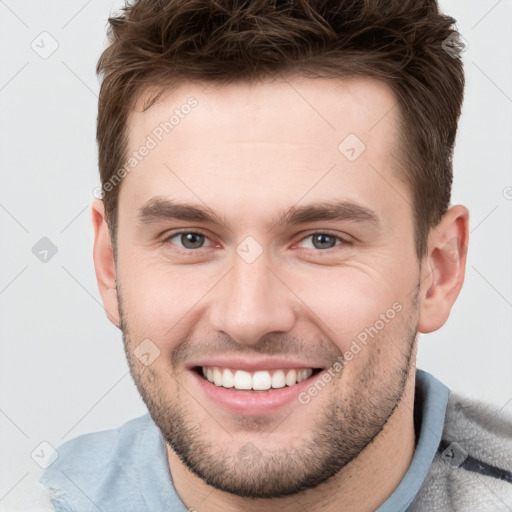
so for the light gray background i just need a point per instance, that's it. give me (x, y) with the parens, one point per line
(62, 366)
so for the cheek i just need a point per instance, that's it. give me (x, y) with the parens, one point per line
(353, 304)
(161, 300)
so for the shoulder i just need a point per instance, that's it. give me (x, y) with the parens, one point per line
(473, 421)
(99, 448)
(91, 463)
(472, 469)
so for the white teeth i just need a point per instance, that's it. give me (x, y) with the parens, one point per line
(217, 377)
(228, 378)
(259, 381)
(243, 380)
(278, 379)
(291, 378)
(303, 375)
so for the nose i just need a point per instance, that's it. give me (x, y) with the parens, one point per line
(252, 301)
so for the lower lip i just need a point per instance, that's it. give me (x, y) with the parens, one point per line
(252, 403)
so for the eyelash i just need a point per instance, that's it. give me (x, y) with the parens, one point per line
(344, 241)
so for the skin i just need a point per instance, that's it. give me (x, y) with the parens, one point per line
(248, 152)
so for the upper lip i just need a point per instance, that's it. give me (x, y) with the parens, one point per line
(252, 365)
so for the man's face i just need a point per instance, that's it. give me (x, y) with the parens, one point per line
(249, 294)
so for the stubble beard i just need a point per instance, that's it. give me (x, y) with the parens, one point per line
(350, 422)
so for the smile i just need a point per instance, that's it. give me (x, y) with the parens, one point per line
(261, 380)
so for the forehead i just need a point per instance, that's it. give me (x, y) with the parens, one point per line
(269, 142)
(328, 108)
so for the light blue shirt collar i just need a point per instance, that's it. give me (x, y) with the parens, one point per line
(126, 470)
(432, 398)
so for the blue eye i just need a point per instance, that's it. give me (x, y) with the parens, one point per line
(323, 240)
(190, 240)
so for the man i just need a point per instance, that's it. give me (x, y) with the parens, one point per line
(274, 232)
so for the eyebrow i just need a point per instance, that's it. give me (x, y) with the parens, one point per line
(160, 208)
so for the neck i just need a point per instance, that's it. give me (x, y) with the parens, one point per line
(379, 467)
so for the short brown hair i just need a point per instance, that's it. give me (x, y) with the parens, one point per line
(157, 43)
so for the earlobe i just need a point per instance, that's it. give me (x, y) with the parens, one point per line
(104, 263)
(444, 272)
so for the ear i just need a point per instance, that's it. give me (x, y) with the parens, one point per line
(104, 263)
(444, 268)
